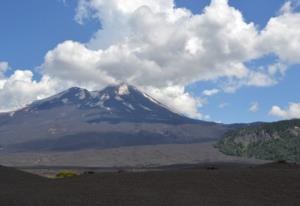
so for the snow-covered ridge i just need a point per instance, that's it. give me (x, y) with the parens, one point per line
(118, 98)
(114, 103)
(79, 92)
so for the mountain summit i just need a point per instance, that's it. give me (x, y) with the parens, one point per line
(113, 104)
(116, 116)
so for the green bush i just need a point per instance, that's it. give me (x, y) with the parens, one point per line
(65, 174)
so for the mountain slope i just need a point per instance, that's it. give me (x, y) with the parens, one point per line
(270, 141)
(113, 104)
(115, 116)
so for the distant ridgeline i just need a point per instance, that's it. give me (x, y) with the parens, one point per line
(269, 141)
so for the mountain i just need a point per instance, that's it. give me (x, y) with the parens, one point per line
(116, 116)
(113, 104)
(269, 141)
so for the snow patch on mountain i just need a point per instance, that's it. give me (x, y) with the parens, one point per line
(94, 94)
(123, 90)
(129, 106)
(105, 97)
(65, 100)
(52, 98)
(118, 98)
(145, 108)
(81, 94)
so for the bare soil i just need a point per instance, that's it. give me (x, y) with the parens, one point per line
(267, 185)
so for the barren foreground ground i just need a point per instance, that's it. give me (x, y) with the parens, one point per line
(149, 156)
(273, 184)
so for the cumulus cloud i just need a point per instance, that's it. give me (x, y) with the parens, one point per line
(286, 8)
(180, 101)
(153, 44)
(293, 111)
(252, 79)
(20, 89)
(162, 44)
(254, 107)
(223, 105)
(260, 79)
(210, 92)
(3, 67)
(289, 6)
(282, 37)
(276, 68)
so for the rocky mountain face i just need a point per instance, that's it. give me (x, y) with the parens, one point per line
(113, 104)
(113, 117)
(269, 141)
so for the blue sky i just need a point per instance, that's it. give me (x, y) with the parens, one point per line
(29, 29)
(236, 105)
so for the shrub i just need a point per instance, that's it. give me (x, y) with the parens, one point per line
(65, 174)
(89, 173)
(281, 162)
(211, 168)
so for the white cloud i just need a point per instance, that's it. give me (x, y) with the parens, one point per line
(115, 16)
(3, 67)
(282, 37)
(210, 92)
(20, 89)
(289, 6)
(153, 44)
(179, 46)
(223, 105)
(177, 99)
(260, 79)
(253, 79)
(293, 111)
(277, 68)
(73, 62)
(254, 107)
(286, 8)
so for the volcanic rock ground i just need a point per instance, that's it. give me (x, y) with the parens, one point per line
(267, 185)
(138, 156)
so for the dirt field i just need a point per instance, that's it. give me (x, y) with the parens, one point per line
(148, 156)
(228, 186)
